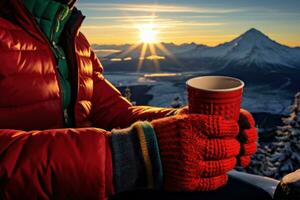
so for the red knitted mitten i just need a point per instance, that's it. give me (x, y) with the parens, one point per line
(196, 151)
(248, 137)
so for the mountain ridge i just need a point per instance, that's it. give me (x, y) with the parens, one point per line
(251, 51)
(96, 45)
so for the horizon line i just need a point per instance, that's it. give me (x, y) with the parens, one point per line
(177, 44)
(203, 44)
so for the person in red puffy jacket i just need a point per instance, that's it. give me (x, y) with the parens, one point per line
(67, 133)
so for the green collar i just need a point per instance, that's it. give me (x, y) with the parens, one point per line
(50, 15)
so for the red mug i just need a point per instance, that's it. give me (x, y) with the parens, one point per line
(215, 95)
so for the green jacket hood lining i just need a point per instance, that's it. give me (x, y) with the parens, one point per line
(51, 16)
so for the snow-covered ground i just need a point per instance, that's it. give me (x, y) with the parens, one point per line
(257, 98)
(265, 98)
(164, 92)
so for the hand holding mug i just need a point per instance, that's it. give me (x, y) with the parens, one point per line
(220, 95)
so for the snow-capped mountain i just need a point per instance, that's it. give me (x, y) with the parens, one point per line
(251, 51)
(251, 48)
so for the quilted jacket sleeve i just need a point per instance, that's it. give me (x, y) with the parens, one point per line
(111, 110)
(55, 164)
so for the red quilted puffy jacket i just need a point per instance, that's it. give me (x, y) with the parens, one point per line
(39, 158)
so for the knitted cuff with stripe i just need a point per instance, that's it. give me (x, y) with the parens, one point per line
(136, 159)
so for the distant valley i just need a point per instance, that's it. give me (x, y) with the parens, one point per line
(253, 57)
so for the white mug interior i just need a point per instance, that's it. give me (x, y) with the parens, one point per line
(216, 83)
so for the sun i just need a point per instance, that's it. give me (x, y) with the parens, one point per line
(148, 33)
(150, 46)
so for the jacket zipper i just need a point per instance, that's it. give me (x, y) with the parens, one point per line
(58, 16)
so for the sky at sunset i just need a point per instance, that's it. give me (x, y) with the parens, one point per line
(209, 22)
